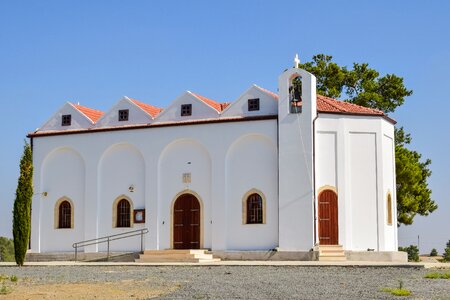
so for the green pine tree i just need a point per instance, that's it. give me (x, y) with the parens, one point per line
(22, 206)
(446, 255)
(433, 252)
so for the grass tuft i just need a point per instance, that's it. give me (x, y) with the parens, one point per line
(4, 290)
(13, 278)
(397, 292)
(437, 275)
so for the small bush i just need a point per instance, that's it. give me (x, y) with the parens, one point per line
(433, 252)
(437, 275)
(413, 252)
(3, 277)
(397, 292)
(13, 278)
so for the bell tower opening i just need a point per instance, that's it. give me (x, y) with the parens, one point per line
(295, 95)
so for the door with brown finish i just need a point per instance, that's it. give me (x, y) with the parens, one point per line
(328, 218)
(186, 222)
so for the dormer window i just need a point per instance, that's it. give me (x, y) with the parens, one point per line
(123, 115)
(253, 104)
(186, 110)
(66, 120)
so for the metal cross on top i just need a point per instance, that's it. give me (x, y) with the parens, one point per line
(296, 61)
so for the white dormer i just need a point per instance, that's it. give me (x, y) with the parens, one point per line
(71, 117)
(128, 111)
(190, 106)
(255, 101)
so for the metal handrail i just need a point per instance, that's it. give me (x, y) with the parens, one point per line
(109, 238)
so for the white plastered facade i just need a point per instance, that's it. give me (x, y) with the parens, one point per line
(287, 158)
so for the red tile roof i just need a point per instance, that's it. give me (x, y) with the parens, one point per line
(330, 105)
(214, 104)
(92, 114)
(150, 109)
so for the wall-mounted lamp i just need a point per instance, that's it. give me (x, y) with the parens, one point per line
(131, 188)
(44, 194)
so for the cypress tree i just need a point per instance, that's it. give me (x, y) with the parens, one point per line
(22, 206)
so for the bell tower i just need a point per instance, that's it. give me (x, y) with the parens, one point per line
(296, 114)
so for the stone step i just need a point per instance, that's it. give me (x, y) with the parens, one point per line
(332, 258)
(172, 255)
(331, 253)
(175, 251)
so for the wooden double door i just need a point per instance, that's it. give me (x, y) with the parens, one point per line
(328, 218)
(186, 222)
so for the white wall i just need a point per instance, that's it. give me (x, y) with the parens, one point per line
(363, 182)
(296, 180)
(78, 120)
(355, 155)
(135, 115)
(251, 165)
(121, 166)
(179, 157)
(153, 160)
(200, 110)
(63, 173)
(268, 105)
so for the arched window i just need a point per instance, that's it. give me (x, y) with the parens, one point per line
(65, 215)
(123, 213)
(254, 209)
(389, 209)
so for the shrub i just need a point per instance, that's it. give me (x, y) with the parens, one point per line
(400, 291)
(397, 292)
(6, 249)
(437, 275)
(446, 255)
(413, 252)
(433, 252)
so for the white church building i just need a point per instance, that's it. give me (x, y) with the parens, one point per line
(285, 171)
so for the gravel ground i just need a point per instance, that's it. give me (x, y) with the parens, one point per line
(237, 282)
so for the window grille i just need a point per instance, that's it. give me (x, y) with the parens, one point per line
(123, 213)
(65, 215)
(66, 120)
(254, 209)
(186, 110)
(123, 115)
(253, 104)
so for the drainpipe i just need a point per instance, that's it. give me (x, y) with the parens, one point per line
(314, 177)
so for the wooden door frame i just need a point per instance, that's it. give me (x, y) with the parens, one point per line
(334, 190)
(172, 209)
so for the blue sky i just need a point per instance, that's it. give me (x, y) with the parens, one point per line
(94, 52)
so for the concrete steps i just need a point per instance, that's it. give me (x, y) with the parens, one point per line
(331, 253)
(195, 256)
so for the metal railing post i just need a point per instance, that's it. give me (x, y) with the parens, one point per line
(107, 257)
(76, 251)
(142, 240)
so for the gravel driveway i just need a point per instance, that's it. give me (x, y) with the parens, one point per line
(221, 282)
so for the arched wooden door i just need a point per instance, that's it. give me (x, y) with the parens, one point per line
(186, 222)
(328, 218)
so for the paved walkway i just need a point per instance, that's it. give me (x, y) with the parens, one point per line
(245, 263)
